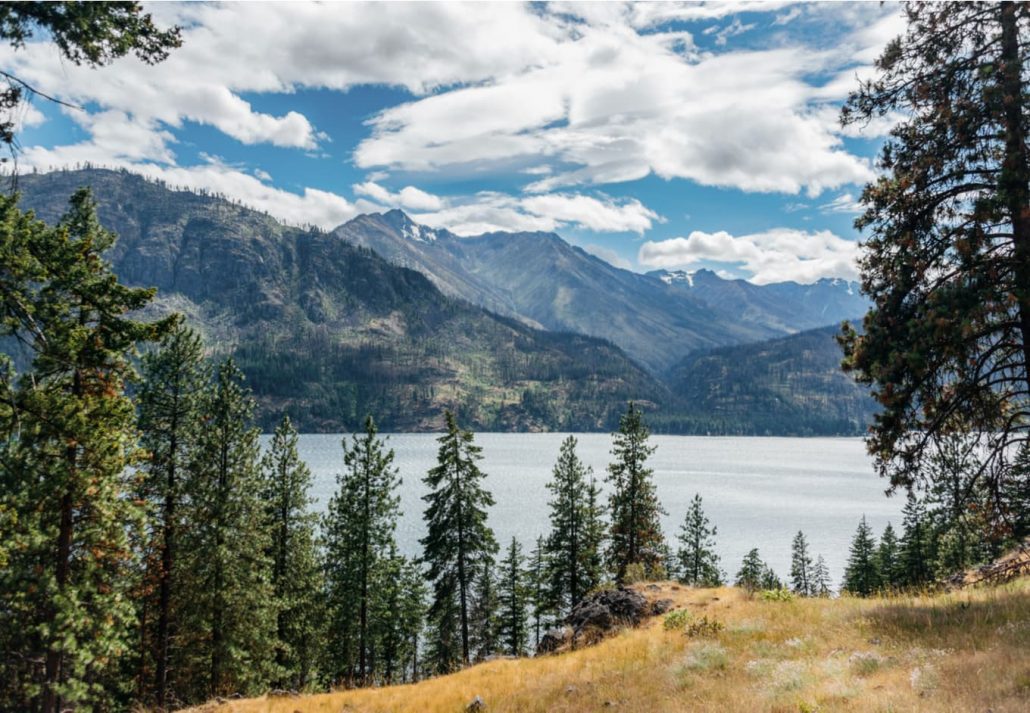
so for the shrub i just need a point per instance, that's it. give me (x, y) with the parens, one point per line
(704, 627)
(777, 595)
(677, 619)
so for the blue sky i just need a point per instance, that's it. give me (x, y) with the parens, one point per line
(658, 135)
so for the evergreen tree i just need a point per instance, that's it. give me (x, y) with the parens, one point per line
(595, 532)
(65, 480)
(484, 622)
(572, 547)
(1015, 498)
(751, 572)
(636, 535)
(396, 617)
(539, 599)
(770, 580)
(802, 581)
(947, 258)
(359, 532)
(698, 563)
(514, 601)
(861, 576)
(227, 633)
(888, 560)
(175, 379)
(822, 586)
(296, 576)
(459, 542)
(915, 555)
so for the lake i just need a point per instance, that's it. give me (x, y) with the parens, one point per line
(758, 491)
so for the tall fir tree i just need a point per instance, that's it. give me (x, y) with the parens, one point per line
(802, 581)
(296, 565)
(227, 633)
(540, 601)
(822, 585)
(697, 560)
(888, 560)
(175, 378)
(861, 576)
(396, 617)
(359, 532)
(635, 536)
(572, 546)
(484, 619)
(751, 572)
(915, 549)
(459, 542)
(69, 444)
(514, 601)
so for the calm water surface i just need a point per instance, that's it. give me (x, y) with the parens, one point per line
(758, 491)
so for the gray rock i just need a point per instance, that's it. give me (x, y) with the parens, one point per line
(476, 705)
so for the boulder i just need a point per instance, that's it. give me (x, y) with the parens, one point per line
(554, 639)
(476, 705)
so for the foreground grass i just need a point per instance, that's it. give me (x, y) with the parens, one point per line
(966, 651)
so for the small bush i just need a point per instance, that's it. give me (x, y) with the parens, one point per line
(776, 595)
(677, 619)
(706, 657)
(704, 627)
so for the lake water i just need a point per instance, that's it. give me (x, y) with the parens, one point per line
(758, 491)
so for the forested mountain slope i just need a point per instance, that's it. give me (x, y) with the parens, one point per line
(328, 331)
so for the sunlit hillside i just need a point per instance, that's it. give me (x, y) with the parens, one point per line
(964, 651)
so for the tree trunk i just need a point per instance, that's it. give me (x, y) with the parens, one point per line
(167, 562)
(1015, 176)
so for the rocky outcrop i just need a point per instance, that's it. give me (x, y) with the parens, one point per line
(599, 614)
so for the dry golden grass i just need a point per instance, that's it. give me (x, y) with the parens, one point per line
(965, 651)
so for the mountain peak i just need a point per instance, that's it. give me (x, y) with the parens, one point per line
(398, 219)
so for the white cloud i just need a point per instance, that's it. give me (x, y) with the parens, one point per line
(776, 255)
(610, 104)
(408, 198)
(609, 256)
(844, 203)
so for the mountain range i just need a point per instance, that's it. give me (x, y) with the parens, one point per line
(515, 331)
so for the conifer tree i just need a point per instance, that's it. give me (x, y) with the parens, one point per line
(396, 617)
(539, 599)
(66, 481)
(459, 543)
(595, 532)
(484, 620)
(697, 560)
(861, 577)
(751, 572)
(888, 559)
(514, 601)
(822, 586)
(1015, 498)
(175, 379)
(770, 580)
(571, 548)
(802, 581)
(635, 535)
(915, 554)
(296, 576)
(227, 634)
(359, 532)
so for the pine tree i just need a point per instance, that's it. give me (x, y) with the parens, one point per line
(514, 601)
(888, 560)
(915, 555)
(227, 633)
(947, 259)
(175, 379)
(1015, 498)
(698, 563)
(861, 577)
(396, 617)
(801, 579)
(636, 535)
(770, 580)
(458, 544)
(751, 572)
(484, 620)
(296, 576)
(359, 532)
(68, 446)
(539, 599)
(822, 586)
(572, 547)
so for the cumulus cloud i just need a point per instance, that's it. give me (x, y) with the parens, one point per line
(611, 104)
(773, 256)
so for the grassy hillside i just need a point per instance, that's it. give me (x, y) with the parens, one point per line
(950, 652)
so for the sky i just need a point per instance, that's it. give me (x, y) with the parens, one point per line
(653, 135)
